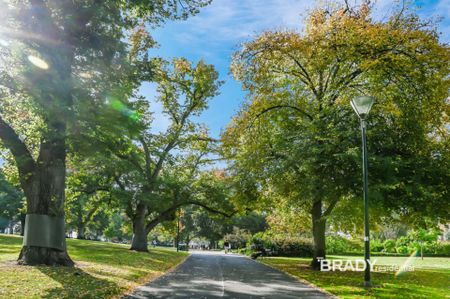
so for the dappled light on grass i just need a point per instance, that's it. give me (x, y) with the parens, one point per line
(102, 270)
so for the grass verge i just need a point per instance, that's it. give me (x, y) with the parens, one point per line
(429, 279)
(103, 270)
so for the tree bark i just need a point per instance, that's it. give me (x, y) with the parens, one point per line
(22, 224)
(80, 232)
(139, 242)
(32, 255)
(318, 230)
(188, 239)
(11, 227)
(46, 194)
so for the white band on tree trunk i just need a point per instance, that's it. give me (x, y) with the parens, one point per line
(45, 231)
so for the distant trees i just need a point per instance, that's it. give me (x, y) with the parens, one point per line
(297, 138)
(11, 203)
(198, 223)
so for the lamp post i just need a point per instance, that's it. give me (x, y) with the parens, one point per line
(178, 233)
(362, 106)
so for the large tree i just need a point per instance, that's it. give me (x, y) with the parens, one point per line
(297, 135)
(153, 170)
(59, 60)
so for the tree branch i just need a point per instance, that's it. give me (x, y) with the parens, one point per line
(280, 107)
(148, 159)
(330, 208)
(168, 213)
(24, 160)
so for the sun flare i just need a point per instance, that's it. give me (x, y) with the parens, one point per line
(38, 62)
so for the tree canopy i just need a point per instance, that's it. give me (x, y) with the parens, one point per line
(297, 135)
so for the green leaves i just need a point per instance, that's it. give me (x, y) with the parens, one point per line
(11, 199)
(184, 89)
(296, 138)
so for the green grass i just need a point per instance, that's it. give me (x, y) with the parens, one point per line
(430, 278)
(103, 270)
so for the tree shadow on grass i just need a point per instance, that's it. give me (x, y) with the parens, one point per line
(75, 283)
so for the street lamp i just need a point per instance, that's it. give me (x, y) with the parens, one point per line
(362, 106)
(177, 241)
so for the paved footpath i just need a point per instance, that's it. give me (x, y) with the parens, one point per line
(218, 275)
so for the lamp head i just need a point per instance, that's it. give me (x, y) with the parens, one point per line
(362, 105)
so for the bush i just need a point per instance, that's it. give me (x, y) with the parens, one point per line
(443, 249)
(435, 248)
(402, 249)
(183, 247)
(220, 244)
(238, 238)
(389, 246)
(341, 245)
(414, 241)
(376, 245)
(259, 241)
(402, 242)
(244, 251)
(282, 245)
(292, 246)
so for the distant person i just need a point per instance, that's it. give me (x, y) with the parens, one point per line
(227, 247)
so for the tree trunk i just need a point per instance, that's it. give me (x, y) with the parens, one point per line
(45, 195)
(139, 242)
(11, 227)
(80, 232)
(33, 255)
(188, 239)
(22, 224)
(43, 180)
(318, 230)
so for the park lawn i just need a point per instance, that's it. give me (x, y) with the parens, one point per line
(430, 278)
(103, 270)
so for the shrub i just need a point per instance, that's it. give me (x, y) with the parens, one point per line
(376, 245)
(402, 241)
(341, 245)
(414, 242)
(389, 246)
(245, 251)
(443, 249)
(292, 246)
(402, 249)
(238, 238)
(259, 241)
(435, 248)
(282, 245)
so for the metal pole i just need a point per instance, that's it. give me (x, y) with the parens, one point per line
(178, 233)
(367, 282)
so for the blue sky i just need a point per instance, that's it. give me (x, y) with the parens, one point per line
(218, 30)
